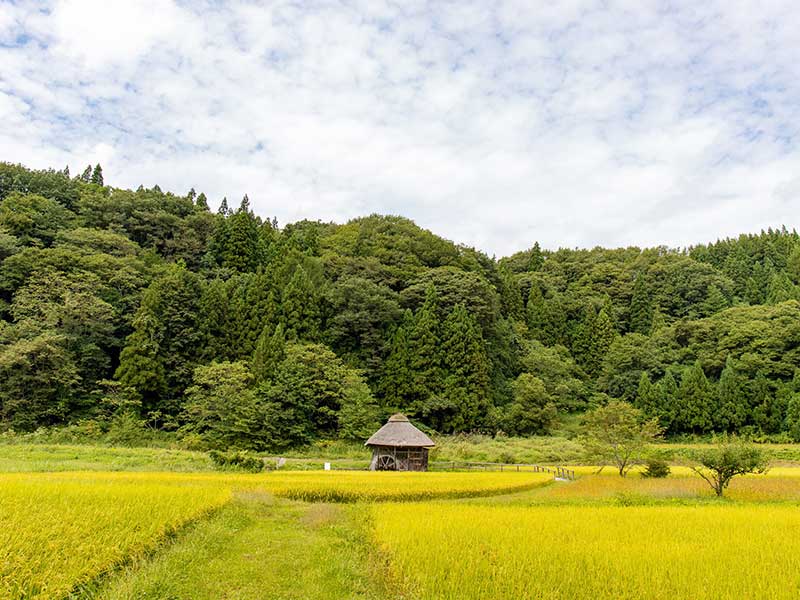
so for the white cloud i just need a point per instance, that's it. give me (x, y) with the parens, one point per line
(574, 123)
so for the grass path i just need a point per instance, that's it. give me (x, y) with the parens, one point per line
(259, 547)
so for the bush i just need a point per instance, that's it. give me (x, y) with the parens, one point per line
(656, 468)
(239, 460)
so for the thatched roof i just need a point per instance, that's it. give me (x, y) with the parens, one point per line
(399, 432)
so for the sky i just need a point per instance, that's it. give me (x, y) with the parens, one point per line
(493, 124)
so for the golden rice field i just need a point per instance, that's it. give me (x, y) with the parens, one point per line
(354, 486)
(443, 535)
(58, 532)
(459, 551)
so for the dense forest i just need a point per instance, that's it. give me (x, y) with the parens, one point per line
(227, 327)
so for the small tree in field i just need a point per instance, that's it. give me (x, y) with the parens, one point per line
(720, 464)
(618, 434)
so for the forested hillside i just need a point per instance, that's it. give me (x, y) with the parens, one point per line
(240, 332)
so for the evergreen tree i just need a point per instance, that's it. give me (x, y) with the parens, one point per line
(359, 412)
(668, 403)
(97, 175)
(732, 406)
(767, 413)
(715, 301)
(253, 306)
(603, 336)
(554, 322)
(165, 345)
(658, 320)
(241, 249)
(202, 202)
(510, 294)
(223, 210)
(214, 322)
(537, 260)
(426, 353)
(793, 264)
(781, 289)
(695, 395)
(792, 421)
(647, 397)
(191, 195)
(141, 367)
(535, 313)
(641, 320)
(466, 386)
(398, 383)
(583, 341)
(270, 351)
(594, 337)
(86, 176)
(300, 308)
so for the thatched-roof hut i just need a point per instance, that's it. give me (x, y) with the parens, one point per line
(399, 446)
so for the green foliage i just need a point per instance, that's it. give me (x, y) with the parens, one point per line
(793, 417)
(695, 400)
(300, 310)
(359, 412)
(641, 315)
(656, 468)
(239, 460)
(618, 434)
(729, 458)
(532, 410)
(222, 407)
(146, 286)
(303, 401)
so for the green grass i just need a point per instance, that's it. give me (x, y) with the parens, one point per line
(52, 457)
(260, 547)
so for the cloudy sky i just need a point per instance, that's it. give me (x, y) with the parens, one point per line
(494, 124)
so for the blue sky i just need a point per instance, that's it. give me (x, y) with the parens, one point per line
(495, 124)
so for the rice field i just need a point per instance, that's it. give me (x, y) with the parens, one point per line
(434, 536)
(355, 486)
(459, 552)
(59, 532)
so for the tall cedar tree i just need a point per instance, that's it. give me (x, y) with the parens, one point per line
(202, 202)
(668, 403)
(215, 322)
(270, 351)
(467, 382)
(165, 341)
(647, 397)
(252, 307)
(425, 344)
(732, 404)
(537, 260)
(641, 319)
(398, 383)
(535, 314)
(97, 175)
(695, 395)
(300, 309)
(242, 247)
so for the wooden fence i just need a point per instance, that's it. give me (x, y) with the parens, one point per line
(558, 472)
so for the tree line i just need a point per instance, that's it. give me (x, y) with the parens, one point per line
(229, 327)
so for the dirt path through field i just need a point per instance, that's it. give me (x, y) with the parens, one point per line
(258, 547)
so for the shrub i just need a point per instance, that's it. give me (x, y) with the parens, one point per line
(656, 468)
(239, 460)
